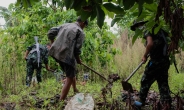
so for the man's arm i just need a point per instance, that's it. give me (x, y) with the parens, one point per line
(27, 51)
(78, 59)
(47, 67)
(45, 59)
(148, 48)
(26, 54)
(78, 46)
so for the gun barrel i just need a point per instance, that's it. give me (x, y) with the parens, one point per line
(37, 50)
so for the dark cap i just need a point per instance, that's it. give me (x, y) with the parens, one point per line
(137, 24)
(80, 20)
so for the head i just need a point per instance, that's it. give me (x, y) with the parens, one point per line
(139, 25)
(52, 33)
(82, 23)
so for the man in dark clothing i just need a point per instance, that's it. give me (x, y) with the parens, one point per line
(157, 67)
(66, 50)
(31, 58)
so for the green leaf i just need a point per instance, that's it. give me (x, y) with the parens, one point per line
(100, 16)
(113, 8)
(25, 3)
(68, 3)
(128, 4)
(93, 15)
(138, 32)
(84, 14)
(77, 4)
(32, 2)
(157, 29)
(18, 2)
(140, 8)
(114, 21)
(110, 14)
(120, 16)
(150, 25)
(133, 8)
(151, 7)
(143, 15)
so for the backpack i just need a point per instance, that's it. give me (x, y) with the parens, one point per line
(163, 36)
(33, 54)
(53, 32)
(160, 46)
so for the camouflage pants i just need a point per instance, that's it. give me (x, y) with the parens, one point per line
(156, 71)
(31, 66)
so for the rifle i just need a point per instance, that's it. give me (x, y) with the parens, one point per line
(37, 50)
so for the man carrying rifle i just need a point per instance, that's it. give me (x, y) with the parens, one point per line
(35, 55)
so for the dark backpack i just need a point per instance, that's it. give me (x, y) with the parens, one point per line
(34, 55)
(160, 40)
(162, 35)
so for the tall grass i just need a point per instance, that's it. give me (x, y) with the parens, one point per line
(130, 55)
(11, 67)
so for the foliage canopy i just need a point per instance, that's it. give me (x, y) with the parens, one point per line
(168, 13)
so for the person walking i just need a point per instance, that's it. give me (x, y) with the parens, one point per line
(35, 55)
(66, 50)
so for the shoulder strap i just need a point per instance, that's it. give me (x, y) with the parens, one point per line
(165, 49)
(165, 46)
(33, 50)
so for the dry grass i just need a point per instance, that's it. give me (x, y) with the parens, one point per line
(130, 55)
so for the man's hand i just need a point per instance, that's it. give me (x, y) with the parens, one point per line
(78, 59)
(26, 54)
(47, 67)
(144, 59)
(25, 58)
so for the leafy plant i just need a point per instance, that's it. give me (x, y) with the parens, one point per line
(36, 21)
(155, 11)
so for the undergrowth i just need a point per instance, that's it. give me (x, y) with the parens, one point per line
(13, 77)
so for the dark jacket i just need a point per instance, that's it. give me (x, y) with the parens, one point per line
(68, 43)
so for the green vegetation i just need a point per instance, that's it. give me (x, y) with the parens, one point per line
(104, 51)
(165, 13)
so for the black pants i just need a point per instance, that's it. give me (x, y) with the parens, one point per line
(31, 66)
(68, 69)
(156, 71)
